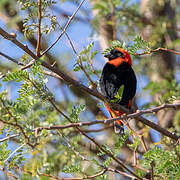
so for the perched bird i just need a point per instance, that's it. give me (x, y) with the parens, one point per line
(118, 74)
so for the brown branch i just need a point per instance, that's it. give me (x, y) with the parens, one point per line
(11, 59)
(143, 143)
(95, 175)
(113, 20)
(143, 120)
(65, 28)
(9, 174)
(48, 175)
(158, 49)
(9, 137)
(117, 106)
(38, 47)
(92, 176)
(72, 147)
(53, 69)
(122, 173)
(80, 63)
(152, 164)
(74, 82)
(16, 124)
(97, 144)
(84, 88)
(13, 39)
(129, 116)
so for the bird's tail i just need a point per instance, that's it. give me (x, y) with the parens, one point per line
(118, 125)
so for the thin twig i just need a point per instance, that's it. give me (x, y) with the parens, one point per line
(143, 143)
(80, 63)
(16, 124)
(84, 88)
(98, 145)
(87, 177)
(65, 28)
(13, 152)
(19, 44)
(9, 174)
(158, 49)
(129, 116)
(152, 164)
(122, 173)
(38, 47)
(72, 147)
(8, 137)
(113, 20)
(48, 175)
(11, 59)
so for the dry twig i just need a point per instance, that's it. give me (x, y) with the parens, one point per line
(65, 28)
(156, 50)
(38, 47)
(129, 116)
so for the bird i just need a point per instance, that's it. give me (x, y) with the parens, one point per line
(118, 74)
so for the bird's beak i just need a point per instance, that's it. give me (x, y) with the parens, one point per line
(108, 55)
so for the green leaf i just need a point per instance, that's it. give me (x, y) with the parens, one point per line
(77, 68)
(114, 45)
(76, 112)
(107, 162)
(72, 169)
(135, 144)
(121, 140)
(16, 75)
(119, 93)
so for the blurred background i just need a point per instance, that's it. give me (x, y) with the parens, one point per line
(98, 22)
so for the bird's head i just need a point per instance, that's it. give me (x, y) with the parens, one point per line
(119, 53)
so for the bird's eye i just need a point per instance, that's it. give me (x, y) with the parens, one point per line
(112, 51)
(120, 54)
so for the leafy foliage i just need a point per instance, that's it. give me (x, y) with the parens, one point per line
(136, 44)
(51, 153)
(16, 75)
(165, 162)
(85, 60)
(76, 112)
(169, 90)
(30, 27)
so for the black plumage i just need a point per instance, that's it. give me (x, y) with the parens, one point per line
(113, 78)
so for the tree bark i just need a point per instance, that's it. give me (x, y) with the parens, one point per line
(162, 65)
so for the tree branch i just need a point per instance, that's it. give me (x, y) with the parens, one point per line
(9, 137)
(16, 124)
(92, 139)
(17, 149)
(129, 116)
(85, 89)
(38, 47)
(158, 49)
(64, 30)
(11, 59)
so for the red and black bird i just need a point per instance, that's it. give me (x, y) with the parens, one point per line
(116, 73)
